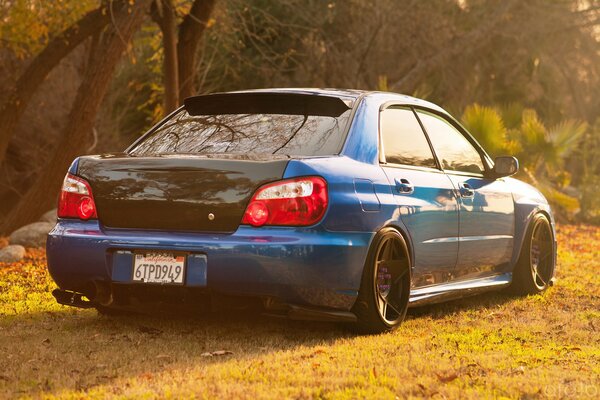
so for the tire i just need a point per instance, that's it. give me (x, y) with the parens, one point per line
(535, 268)
(385, 286)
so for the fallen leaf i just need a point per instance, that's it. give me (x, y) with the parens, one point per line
(447, 378)
(46, 341)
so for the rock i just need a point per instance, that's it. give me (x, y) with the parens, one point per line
(12, 253)
(50, 216)
(32, 235)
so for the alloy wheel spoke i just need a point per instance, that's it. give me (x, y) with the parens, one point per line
(382, 304)
(538, 276)
(400, 276)
(393, 307)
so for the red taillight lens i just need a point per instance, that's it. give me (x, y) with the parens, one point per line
(292, 202)
(76, 200)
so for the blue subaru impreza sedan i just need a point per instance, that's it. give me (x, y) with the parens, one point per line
(337, 205)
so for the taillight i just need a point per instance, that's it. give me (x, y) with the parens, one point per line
(76, 200)
(291, 202)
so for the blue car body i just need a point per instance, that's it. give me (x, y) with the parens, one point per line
(457, 245)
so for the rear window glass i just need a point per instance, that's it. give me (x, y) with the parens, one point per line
(302, 135)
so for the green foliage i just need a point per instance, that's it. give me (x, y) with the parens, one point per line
(487, 126)
(28, 24)
(511, 114)
(542, 152)
(588, 167)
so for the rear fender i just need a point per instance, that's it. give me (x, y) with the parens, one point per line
(347, 211)
(360, 197)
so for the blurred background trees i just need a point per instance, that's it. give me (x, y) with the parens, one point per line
(524, 76)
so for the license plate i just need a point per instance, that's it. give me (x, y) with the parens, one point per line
(158, 268)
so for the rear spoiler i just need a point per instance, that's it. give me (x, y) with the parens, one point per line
(267, 103)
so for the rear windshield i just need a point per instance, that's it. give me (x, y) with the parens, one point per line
(283, 134)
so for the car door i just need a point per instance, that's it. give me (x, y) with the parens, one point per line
(486, 204)
(427, 202)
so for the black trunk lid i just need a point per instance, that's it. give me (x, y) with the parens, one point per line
(178, 193)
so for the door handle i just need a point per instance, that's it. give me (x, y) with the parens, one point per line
(466, 190)
(404, 186)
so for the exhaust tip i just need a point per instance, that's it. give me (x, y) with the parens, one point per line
(73, 299)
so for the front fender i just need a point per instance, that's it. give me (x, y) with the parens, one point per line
(528, 202)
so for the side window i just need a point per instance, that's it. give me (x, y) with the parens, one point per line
(454, 151)
(403, 139)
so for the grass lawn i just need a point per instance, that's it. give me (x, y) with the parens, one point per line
(492, 345)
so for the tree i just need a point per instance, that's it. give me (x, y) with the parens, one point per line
(25, 87)
(180, 47)
(97, 77)
(190, 31)
(163, 13)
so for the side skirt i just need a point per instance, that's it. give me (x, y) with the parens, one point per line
(453, 290)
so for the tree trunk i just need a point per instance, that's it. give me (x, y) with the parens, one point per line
(33, 76)
(97, 77)
(164, 15)
(190, 32)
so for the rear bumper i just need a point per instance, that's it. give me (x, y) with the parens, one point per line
(296, 266)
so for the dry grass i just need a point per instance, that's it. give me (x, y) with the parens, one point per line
(544, 346)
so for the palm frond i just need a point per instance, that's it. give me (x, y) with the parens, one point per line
(485, 123)
(565, 136)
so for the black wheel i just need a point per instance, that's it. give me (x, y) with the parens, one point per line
(536, 264)
(385, 287)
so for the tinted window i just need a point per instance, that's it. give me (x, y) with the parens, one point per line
(247, 134)
(403, 139)
(455, 152)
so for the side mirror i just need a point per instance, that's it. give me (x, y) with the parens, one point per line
(505, 166)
